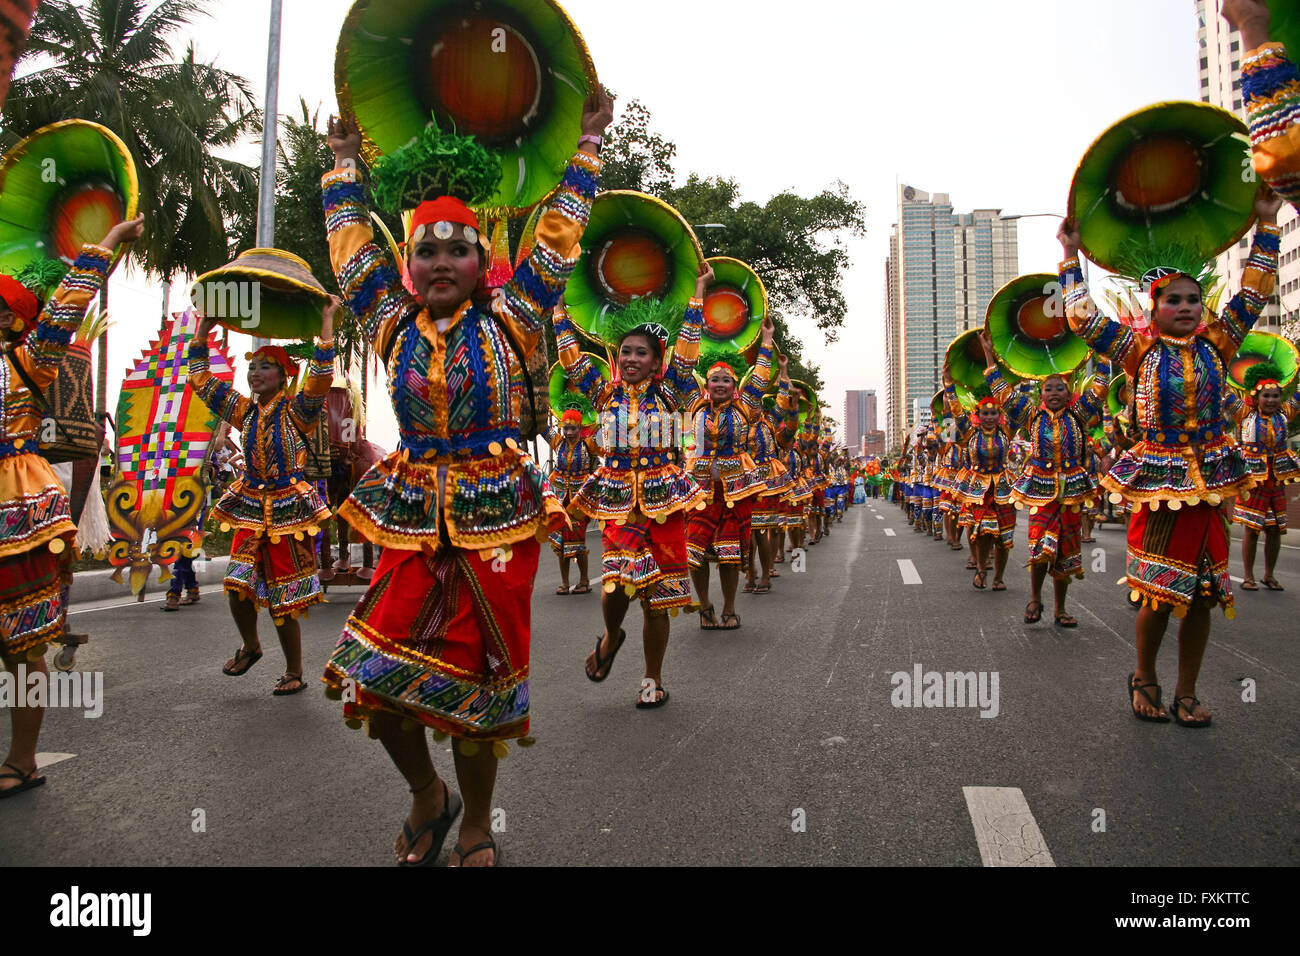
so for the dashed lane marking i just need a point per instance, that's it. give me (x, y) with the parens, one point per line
(1005, 829)
(44, 760)
(889, 533)
(909, 572)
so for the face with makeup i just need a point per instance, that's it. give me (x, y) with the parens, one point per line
(570, 432)
(6, 317)
(1270, 400)
(445, 272)
(1056, 394)
(638, 358)
(989, 415)
(721, 385)
(265, 378)
(1178, 307)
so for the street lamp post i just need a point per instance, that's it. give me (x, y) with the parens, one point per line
(270, 115)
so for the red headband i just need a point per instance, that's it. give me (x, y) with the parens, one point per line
(442, 209)
(725, 367)
(571, 417)
(1264, 383)
(19, 298)
(279, 356)
(989, 400)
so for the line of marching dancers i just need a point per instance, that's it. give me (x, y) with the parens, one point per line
(441, 638)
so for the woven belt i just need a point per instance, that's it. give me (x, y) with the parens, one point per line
(649, 460)
(1173, 436)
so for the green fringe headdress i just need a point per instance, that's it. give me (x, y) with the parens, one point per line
(437, 176)
(715, 354)
(1260, 372)
(647, 315)
(1147, 267)
(42, 276)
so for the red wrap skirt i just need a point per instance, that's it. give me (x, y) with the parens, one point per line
(443, 640)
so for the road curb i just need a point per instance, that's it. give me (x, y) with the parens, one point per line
(90, 586)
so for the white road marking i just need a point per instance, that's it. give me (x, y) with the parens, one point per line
(1005, 830)
(113, 603)
(909, 572)
(44, 760)
(889, 532)
(880, 517)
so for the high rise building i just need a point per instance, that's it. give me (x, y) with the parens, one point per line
(1220, 76)
(942, 271)
(859, 417)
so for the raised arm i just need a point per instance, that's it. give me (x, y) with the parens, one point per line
(1106, 336)
(226, 403)
(1291, 407)
(42, 352)
(752, 394)
(1093, 401)
(679, 369)
(1234, 407)
(1257, 281)
(309, 401)
(1270, 90)
(369, 278)
(577, 364)
(538, 283)
(1015, 402)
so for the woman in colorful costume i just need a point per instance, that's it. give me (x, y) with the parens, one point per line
(773, 431)
(1263, 419)
(984, 486)
(576, 457)
(1054, 484)
(36, 551)
(1186, 461)
(640, 494)
(723, 418)
(441, 638)
(275, 512)
(797, 499)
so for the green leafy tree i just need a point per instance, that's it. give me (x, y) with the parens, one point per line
(111, 61)
(635, 158)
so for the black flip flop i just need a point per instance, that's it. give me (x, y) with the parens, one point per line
(240, 658)
(608, 663)
(1272, 585)
(656, 702)
(1142, 689)
(730, 627)
(29, 781)
(285, 679)
(1191, 724)
(440, 826)
(1033, 617)
(488, 844)
(1065, 620)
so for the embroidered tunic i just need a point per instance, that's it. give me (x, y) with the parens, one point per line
(773, 433)
(574, 461)
(639, 434)
(724, 436)
(986, 452)
(459, 465)
(1264, 439)
(34, 507)
(272, 497)
(1060, 449)
(1185, 450)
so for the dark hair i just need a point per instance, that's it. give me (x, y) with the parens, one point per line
(645, 332)
(1157, 292)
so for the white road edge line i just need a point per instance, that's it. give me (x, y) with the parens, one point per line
(44, 760)
(909, 572)
(1005, 830)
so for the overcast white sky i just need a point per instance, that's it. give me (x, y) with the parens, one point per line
(993, 102)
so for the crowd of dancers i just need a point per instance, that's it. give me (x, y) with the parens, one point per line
(698, 462)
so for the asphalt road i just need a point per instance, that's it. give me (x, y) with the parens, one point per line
(780, 744)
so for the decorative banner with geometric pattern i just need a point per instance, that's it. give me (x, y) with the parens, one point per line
(164, 436)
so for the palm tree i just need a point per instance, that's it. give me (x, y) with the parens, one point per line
(110, 61)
